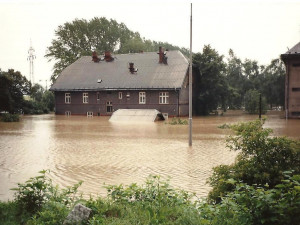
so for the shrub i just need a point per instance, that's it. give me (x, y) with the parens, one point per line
(40, 199)
(258, 204)
(156, 202)
(7, 117)
(261, 159)
(178, 121)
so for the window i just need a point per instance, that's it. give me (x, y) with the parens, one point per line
(68, 113)
(295, 113)
(89, 114)
(67, 98)
(295, 89)
(120, 95)
(85, 97)
(128, 96)
(98, 96)
(109, 108)
(163, 97)
(142, 97)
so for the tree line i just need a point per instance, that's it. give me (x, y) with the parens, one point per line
(231, 83)
(18, 95)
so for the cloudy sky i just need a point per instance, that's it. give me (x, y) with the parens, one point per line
(256, 29)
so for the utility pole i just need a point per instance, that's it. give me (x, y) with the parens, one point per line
(191, 83)
(30, 58)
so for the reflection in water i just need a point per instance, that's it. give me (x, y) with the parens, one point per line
(96, 151)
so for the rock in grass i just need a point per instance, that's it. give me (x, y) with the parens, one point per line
(79, 214)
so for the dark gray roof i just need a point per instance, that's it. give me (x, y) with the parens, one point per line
(84, 73)
(294, 51)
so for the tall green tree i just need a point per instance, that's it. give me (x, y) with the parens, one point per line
(80, 37)
(12, 88)
(209, 69)
(273, 84)
(36, 92)
(238, 83)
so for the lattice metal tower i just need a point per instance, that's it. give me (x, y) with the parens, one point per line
(30, 58)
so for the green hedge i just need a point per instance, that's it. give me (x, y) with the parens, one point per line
(7, 117)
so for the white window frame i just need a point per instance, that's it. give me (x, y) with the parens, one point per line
(120, 95)
(85, 97)
(109, 104)
(142, 97)
(98, 96)
(67, 98)
(68, 113)
(163, 97)
(89, 114)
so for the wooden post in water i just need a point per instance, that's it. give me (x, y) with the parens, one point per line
(190, 85)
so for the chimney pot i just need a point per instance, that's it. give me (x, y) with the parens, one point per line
(95, 57)
(131, 68)
(107, 56)
(162, 55)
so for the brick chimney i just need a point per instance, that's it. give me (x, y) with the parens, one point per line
(108, 57)
(162, 56)
(95, 57)
(131, 68)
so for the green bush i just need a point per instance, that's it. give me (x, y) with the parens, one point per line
(34, 107)
(258, 204)
(7, 117)
(156, 202)
(178, 121)
(8, 212)
(261, 159)
(40, 200)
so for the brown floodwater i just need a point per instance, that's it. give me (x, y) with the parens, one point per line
(97, 151)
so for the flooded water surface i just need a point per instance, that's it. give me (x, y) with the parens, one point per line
(97, 151)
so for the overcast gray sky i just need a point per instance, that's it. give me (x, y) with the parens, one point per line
(256, 29)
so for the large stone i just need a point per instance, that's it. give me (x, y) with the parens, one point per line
(79, 214)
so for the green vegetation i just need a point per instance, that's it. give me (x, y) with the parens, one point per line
(234, 84)
(178, 121)
(261, 160)
(13, 87)
(261, 187)
(7, 117)
(252, 102)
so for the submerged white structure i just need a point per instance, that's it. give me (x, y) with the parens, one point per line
(136, 115)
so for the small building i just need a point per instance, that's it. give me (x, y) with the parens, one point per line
(96, 86)
(291, 60)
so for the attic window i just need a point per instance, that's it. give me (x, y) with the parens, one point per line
(99, 81)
